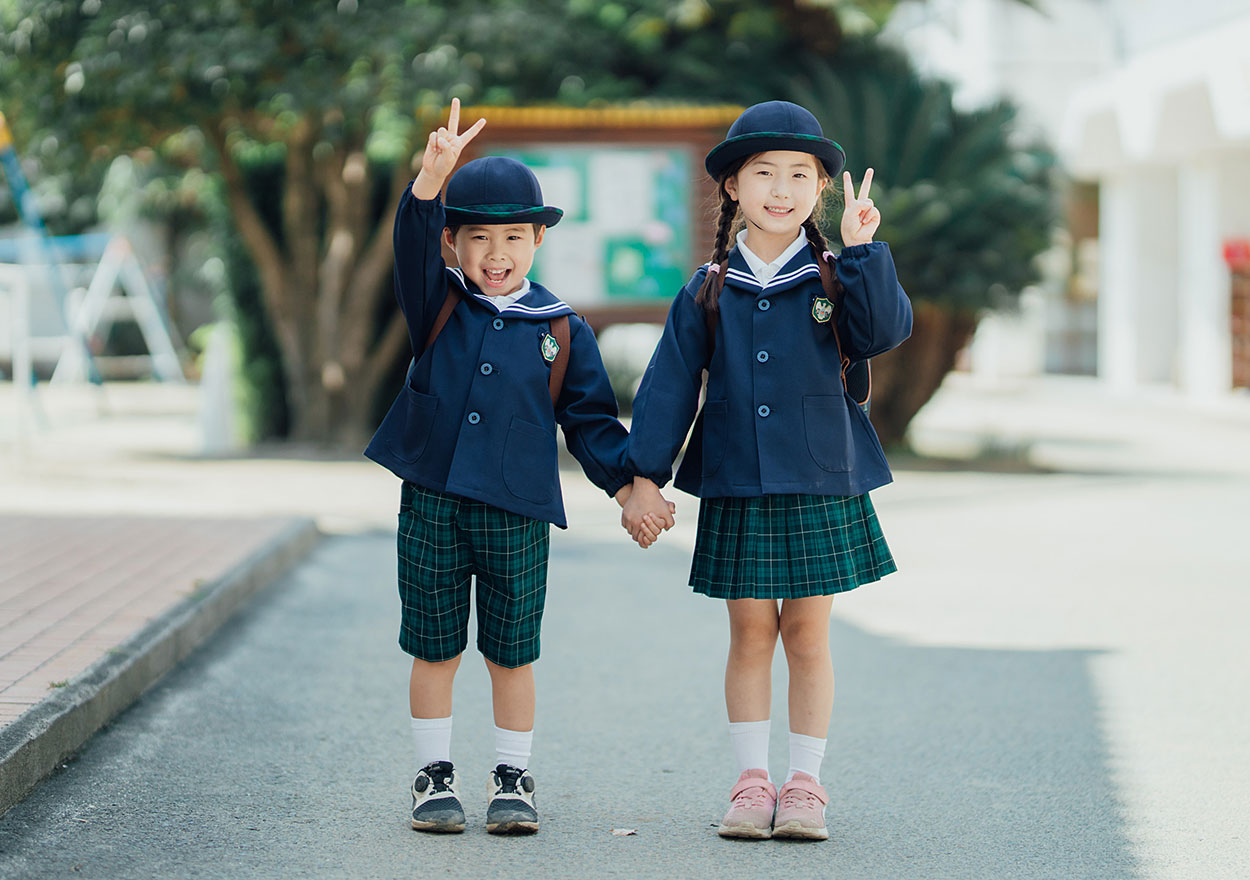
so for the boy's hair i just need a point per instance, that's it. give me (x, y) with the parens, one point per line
(729, 221)
(454, 229)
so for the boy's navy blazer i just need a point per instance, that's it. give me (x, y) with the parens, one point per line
(474, 417)
(777, 419)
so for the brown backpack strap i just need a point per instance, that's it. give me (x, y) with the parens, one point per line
(825, 263)
(863, 371)
(560, 330)
(449, 304)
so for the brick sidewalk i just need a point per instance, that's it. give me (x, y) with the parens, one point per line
(73, 587)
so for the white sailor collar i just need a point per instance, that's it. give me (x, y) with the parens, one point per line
(765, 272)
(539, 304)
(797, 269)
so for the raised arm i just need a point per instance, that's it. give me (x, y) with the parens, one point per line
(420, 276)
(875, 314)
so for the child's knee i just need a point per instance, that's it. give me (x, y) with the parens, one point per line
(805, 639)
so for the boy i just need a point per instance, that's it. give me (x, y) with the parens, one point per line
(497, 362)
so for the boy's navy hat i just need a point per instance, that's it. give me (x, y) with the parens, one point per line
(775, 125)
(494, 190)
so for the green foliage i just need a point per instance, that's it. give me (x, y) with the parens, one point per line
(965, 209)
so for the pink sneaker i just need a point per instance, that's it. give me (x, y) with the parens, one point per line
(801, 809)
(751, 812)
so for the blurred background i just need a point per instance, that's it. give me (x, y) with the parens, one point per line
(198, 335)
(203, 193)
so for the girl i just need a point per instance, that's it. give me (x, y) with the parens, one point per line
(781, 456)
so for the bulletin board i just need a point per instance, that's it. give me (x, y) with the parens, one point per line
(625, 234)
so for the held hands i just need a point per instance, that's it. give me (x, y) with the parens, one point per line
(442, 151)
(645, 511)
(859, 219)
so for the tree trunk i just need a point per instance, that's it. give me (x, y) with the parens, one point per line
(323, 281)
(904, 379)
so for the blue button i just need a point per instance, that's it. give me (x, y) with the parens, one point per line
(763, 411)
(497, 323)
(474, 418)
(764, 304)
(487, 369)
(762, 357)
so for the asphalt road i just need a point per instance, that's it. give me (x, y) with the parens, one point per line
(1048, 689)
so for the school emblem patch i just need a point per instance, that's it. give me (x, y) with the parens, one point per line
(551, 348)
(822, 310)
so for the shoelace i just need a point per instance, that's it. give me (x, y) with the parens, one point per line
(797, 797)
(508, 780)
(440, 778)
(756, 796)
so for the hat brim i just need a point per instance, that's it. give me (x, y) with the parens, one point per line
(724, 154)
(498, 215)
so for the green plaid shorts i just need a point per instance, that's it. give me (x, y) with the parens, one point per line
(787, 546)
(443, 540)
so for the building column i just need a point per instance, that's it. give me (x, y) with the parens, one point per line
(1117, 281)
(1204, 362)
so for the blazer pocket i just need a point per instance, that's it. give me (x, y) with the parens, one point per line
(715, 435)
(529, 462)
(409, 445)
(827, 424)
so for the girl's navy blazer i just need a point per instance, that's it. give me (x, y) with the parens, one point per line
(474, 417)
(777, 419)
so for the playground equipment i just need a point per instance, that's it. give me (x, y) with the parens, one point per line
(118, 288)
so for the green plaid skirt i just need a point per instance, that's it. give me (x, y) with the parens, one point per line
(787, 546)
(444, 541)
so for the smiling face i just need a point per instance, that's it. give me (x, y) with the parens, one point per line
(776, 192)
(496, 258)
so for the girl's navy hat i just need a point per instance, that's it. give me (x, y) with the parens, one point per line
(496, 190)
(775, 125)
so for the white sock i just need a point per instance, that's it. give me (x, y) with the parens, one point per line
(806, 753)
(513, 747)
(432, 738)
(749, 740)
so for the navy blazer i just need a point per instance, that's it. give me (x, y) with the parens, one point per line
(474, 417)
(776, 419)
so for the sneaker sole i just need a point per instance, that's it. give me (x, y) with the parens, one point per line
(437, 827)
(512, 828)
(797, 831)
(747, 832)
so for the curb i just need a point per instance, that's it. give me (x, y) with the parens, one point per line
(37, 741)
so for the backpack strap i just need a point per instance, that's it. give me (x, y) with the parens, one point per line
(449, 304)
(856, 375)
(555, 381)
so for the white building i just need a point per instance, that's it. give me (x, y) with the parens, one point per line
(1166, 134)
(1151, 106)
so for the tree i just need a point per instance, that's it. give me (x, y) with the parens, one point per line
(966, 210)
(328, 96)
(310, 113)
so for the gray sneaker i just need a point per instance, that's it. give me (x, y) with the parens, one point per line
(510, 801)
(435, 806)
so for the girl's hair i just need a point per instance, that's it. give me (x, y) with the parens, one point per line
(727, 223)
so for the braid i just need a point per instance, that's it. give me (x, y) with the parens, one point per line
(817, 238)
(709, 293)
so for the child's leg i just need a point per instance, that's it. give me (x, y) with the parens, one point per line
(805, 637)
(748, 697)
(429, 687)
(429, 701)
(512, 695)
(753, 628)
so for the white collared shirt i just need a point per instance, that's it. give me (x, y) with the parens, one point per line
(505, 300)
(762, 271)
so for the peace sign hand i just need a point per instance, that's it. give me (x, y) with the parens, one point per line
(859, 219)
(442, 151)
